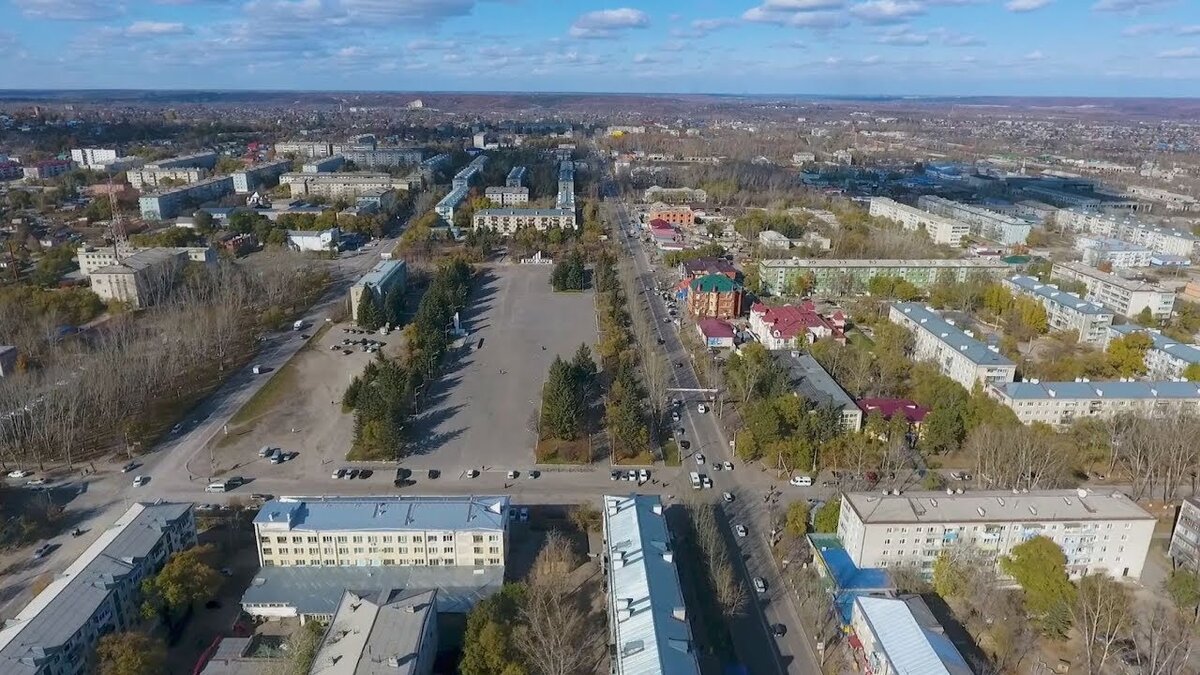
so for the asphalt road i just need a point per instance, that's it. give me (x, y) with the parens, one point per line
(757, 649)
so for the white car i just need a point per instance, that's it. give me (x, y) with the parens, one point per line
(728, 466)
(727, 496)
(801, 481)
(700, 458)
(643, 475)
(472, 473)
(701, 408)
(139, 481)
(19, 473)
(512, 475)
(36, 482)
(741, 530)
(760, 585)
(706, 482)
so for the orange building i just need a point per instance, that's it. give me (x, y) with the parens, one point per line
(714, 296)
(677, 215)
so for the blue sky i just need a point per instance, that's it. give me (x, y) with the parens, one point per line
(859, 47)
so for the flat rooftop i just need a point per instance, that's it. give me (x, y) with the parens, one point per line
(380, 273)
(384, 514)
(377, 633)
(1033, 390)
(319, 590)
(976, 263)
(1131, 285)
(951, 335)
(993, 506)
(811, 381)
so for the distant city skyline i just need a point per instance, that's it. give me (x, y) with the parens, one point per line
(832, 47)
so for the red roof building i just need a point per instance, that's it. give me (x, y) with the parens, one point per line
(694, 269)
(789, 326)
(716, 333)
(889, 407)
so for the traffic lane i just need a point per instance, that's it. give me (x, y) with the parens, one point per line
(751, 631)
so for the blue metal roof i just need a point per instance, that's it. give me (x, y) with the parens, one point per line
(911, 649)
(1184, 352)
(323, 514)
(952, 335)
(1031, 286)
(1098, 390)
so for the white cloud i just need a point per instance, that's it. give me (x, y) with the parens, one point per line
(887, 11)
(816, 14)
(1025, 5)
(423, 45)
(1142, 29)
(1035, 55)
(70, 10)
(1181, 53)
(1131, 6)
(702, 27)
(1188, 30)
(903, 36)
(608, 23)
(645, 58)
(153, 28)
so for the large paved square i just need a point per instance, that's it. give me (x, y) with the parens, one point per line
(481, 408)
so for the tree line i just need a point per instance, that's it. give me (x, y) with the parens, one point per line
(374, 311)
(570, 273)
(387, 393)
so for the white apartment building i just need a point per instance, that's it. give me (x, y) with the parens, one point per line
(91, 259)
(93, 158)
(1116, 252)
(467, 174)
(1099, 532)
(98, 593)
(1065, 311)
(470, 531)
(334, 186)
(1132, 230)
(304, 149)
(204, 160)
(1059, 404)
(1167, 358)
(900, 636)
(446, 206)
(957, 354)
(171, 202)
(263, 174)
(151, 178)
(508, 221)
(647, 619)
(984, 222)
(1185, 538)
(141, 279)
(941, 230)
(323, 164)
(1123, 296)
(507, 196)
(316, 241)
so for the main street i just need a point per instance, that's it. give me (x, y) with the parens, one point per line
(751, 634)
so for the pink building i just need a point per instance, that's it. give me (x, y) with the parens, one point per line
(789, 326)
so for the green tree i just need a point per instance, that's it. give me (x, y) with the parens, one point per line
(393, 306)
(1145, 318)
(185, 579)
(130, 653)
(203, 221)
(489, 644)
(1040, 567)
(583, 368)
(562, 414)
(370, 315)
(1192, 372)
(950, 579)
(826, 518)
(1127, 354)
(796, 523)
(1183, 587)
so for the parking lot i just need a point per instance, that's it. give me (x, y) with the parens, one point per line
(481, 409)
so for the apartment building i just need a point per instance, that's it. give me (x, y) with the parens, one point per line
(47, 169)
(10, 170)
(470, 531)
(507, 196)
(679, 215)
(1061, 403)
(773, 239)
(141, 279)
(846, 277)
(957, 354)
(1167, 240)
(516, 177)
(91, 259)
(1185, 538)
(508, 221)
(1100, 532)
(203, 160)
(446, 206)
(94, 158)
(1116, 253)
(390, 631)
(467, 174)
(348, 186)
(323, 164)
(370, 156)
(172, 202)
(1065, 311)
(900, 636)
(152, 178)
(1172, 200)
(305, 149)
(263, 174)
(1123, 296)
(98, 593)
(383, 277)
(680, 195)
(648, 627)
(982, 221)
(1167, 357)
(941, 230)
(811, 382)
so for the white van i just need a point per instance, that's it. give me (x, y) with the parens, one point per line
(695, 476)
(216, 487)
(801, 481)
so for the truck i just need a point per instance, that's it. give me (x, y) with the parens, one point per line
(695, 476)
(298, 325)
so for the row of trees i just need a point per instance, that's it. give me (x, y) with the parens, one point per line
(130, 377)
(386, 395)
(625, 414)
(374, 312)
(1104, 614)
(567, 396)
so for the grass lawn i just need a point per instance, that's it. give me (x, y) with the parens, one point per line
(857, 339)
(265, 398)
(641, 459)
(558, 451)
(671, 456)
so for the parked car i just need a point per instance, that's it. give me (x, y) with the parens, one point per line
(801, 481)
(19, 473)
(700, 458)
(643, 475)
(727, 496)
(265, 451)
(472, 473)
(36, 482)
(129, 467)
(616, 475)
(779, 630)
(139, 481)
(42, 551)
(728, 466)
(760, 584)
(701, 408)
(432, 474)
(340, 473)
(512, 474)
(740, 530)
(351, 474)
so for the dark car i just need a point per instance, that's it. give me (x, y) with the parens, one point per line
(402, 477)
(365, 473)
(685, 445)
(433, 474)
(235, 481)
(779, 630)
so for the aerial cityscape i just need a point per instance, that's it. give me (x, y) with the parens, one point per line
(348, 337)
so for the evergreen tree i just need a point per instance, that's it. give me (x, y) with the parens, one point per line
(585, 371)
(393, 306)
(561, 403)
(370, 316)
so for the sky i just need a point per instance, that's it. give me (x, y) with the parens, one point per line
(831, 47)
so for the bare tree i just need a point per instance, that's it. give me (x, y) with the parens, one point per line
(557, 635)
(1101, 615)
(1018, 457)
(731, 594)
(1164, 640)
